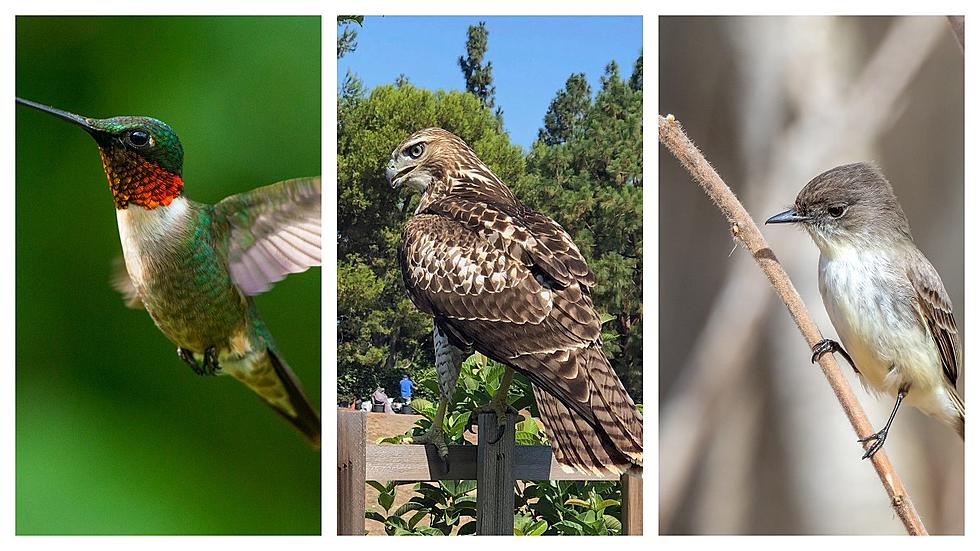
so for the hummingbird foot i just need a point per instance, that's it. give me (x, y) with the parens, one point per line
(208, 367)
(826, 345)
(437, 438)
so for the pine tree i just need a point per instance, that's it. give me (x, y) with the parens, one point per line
(636, 79)
(478, 76)
(567, 110)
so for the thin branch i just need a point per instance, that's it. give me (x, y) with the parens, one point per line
(748, 234)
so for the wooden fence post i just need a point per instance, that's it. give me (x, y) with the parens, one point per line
(495, 478)
(632, 507)
(351, 454)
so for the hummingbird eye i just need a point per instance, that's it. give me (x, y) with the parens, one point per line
(416, 151)
(138, 138)
(836, 211)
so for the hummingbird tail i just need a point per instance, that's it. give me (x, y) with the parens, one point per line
(306, 419)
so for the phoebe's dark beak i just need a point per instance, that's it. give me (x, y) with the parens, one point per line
(787, 217)
(88, 124)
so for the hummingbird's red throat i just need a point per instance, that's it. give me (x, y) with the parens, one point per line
(136, 181)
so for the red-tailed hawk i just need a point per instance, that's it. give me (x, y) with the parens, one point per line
(509, 282)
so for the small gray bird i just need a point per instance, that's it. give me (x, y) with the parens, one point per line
(885, 299)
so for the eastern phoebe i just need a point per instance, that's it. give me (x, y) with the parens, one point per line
(885, 299)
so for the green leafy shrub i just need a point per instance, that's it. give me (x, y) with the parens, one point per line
(577, 508)
(542, 508)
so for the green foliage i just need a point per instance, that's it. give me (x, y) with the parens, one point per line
(547, 507)
(449, 505)
(479, 381)
(381, 333)
(636, 79)
(570, 508)
(479, 76)
(567, 111)
(347, 41)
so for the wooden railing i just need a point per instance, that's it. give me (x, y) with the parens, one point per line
(495, 467)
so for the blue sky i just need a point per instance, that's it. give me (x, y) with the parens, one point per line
(532, 57)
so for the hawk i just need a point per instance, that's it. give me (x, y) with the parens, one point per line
(507, 281)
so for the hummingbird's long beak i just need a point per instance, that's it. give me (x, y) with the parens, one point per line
(85, 122)
(787, 217)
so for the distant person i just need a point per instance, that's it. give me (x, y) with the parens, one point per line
(380, 398)
(406, 387)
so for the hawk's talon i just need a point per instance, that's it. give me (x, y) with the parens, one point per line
(437, 438)
(501, 429)
(501, 411)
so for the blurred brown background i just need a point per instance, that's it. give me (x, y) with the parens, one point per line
(752, 440)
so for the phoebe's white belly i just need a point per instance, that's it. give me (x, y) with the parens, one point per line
(873, 308)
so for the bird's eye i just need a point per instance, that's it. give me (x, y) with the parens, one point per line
(138, 138)
(836, 211)
(416, 151)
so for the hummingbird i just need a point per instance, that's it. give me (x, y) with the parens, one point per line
(195, 267)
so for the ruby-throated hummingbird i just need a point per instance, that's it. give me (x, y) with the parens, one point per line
(195, 267)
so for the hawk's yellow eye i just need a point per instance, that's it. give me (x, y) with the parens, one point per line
(416, 151)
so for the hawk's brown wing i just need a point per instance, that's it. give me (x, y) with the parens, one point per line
(488, 286)
(520, 230)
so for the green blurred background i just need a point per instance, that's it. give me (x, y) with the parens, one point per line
(114, 434)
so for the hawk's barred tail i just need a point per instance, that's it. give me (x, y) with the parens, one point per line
(609, 440)
(304, 418)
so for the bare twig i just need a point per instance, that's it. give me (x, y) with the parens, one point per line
(677, 142)
(957, 23)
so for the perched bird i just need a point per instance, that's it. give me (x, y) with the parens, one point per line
(195, 267)
(885, 299)
(509, 282)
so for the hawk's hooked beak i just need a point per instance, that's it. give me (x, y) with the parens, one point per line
(390, 174)
(788, 217)
(396, 178)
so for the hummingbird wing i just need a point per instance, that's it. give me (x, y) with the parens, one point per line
(121, 282)
(936, 311)
(274, 231)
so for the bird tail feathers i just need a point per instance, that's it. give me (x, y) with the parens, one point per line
(275, 383)
(611, 440)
